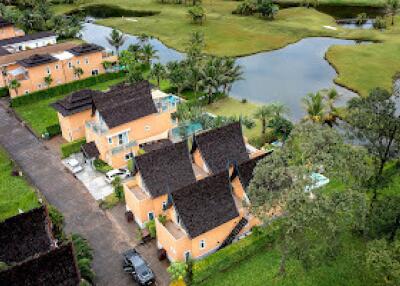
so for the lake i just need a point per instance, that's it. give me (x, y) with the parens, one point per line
(285, 75)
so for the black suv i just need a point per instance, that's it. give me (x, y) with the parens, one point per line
(135, 264)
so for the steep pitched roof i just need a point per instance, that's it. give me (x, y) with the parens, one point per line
(205, 204)
(245, 169)
(85, 49)
(4, 52)
(76, 102)
(166, 169)
(26, 38)
(53, 268)
(37, 60)
(221, 146)
(155, 145)
(25, 235)
(90, 150)
(125, 103)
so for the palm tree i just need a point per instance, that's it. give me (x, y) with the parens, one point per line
(315, 107)
(136, 51)
(116, 39)
(78, 72)
(149, 53)
(48, 80)
(278, 109)
(210, 77)
(197, 14)
(231, 73)
(392, 8)
(158, 71)
(176, 74)
(15, 85)
(331, 97)
(263, 113)
(143, 39)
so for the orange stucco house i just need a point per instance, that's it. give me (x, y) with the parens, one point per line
(118, 121)
(8, 30)
(60, 66)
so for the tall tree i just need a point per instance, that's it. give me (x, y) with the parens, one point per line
(158, 71)
(149, 53)
(263, 113)
(374, 120)
(176, 73)
(392, 8)
(331, 97)
(231, 72)
(116, 39)
(210, 77)
(315, 107)
(14, 85)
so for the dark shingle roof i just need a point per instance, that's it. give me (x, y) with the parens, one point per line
(85, 49)
(4, 23)
(155, 145)
(245, 169)
(54, 268)
(206, 204)
(167, 169)
(90, 150)
(26, 38)
(125, 103)
(76, 102)
(37, 60)
(4, 52)
(25, 235)
(221, 146)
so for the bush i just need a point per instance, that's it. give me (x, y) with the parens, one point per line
(101, 166)
(244, 100)
(84, 256)
(379, 23)
(57, 220)
(4, 92)
(64, 88)
(151, 227)
(162, 219)
(107, 11)
(72, 147)
(177, 270)
(232, 254)
(53, 130)
(109, 202)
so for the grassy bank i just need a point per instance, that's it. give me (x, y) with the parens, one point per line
(15, 192)
(373, 3)
(39, 114)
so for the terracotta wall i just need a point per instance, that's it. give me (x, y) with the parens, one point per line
(73, 126)
(10, 32)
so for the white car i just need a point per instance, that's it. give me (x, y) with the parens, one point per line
(122, 173)
(74, 166)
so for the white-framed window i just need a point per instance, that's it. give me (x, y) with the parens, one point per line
(95, 72)
(128, 156)
(122, 138)
(70, 65)
(39, 86)
(202, 244)
(109, 140)
(78, 62)
(86, 60)
(147, 128)
(186, 255)
(26, 91)
(164, 205)
(48, 71)
(150, 215)
(57, 67)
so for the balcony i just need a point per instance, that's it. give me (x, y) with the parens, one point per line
(136, 191)
(123, 147)
(96, 127)
(174, 230)
(19, 74)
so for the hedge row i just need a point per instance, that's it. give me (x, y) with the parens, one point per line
(53, 130)
(72, 147)
(64, 88)
(3, 92)
(101, 166)
(232, 254)
(108, 11)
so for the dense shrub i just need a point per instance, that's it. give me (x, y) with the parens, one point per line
(151, 227)
(72, 147)
(57, 220)
(3, 92)
(84, 256)
(232, 254)
(107, 11)
(64, 88)
(53, 130)
(101, 166)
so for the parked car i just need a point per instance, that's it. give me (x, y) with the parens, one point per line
(74, 166)
(122, 173)
(135, 265)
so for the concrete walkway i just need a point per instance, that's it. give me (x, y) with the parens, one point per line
(82, 214)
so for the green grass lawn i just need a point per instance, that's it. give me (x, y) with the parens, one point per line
(229, 106)
(15, 192)
(377, 3)
(39, 114)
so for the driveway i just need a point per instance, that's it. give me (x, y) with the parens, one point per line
(82, 214)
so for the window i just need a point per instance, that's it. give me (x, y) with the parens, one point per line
(86, 61)
(48, 71)
(78, 62)
(70, 65)
(57, 67)
(128, 156)
(39, 86)
(164, 205)
(147, 128)
(186, 255)
(202, 244)
(109, 140)
(26, 91)
(122, 138)
(151, 216)
(95, 72)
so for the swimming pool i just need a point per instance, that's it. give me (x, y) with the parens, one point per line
(179, 133)
(317, 180)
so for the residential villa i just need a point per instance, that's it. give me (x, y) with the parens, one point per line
(8, 30)
(61, 63)
(118, 122)
(27, 246)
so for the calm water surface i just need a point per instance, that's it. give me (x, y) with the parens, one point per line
(285, 75)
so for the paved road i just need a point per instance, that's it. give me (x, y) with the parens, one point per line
(61, 189)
